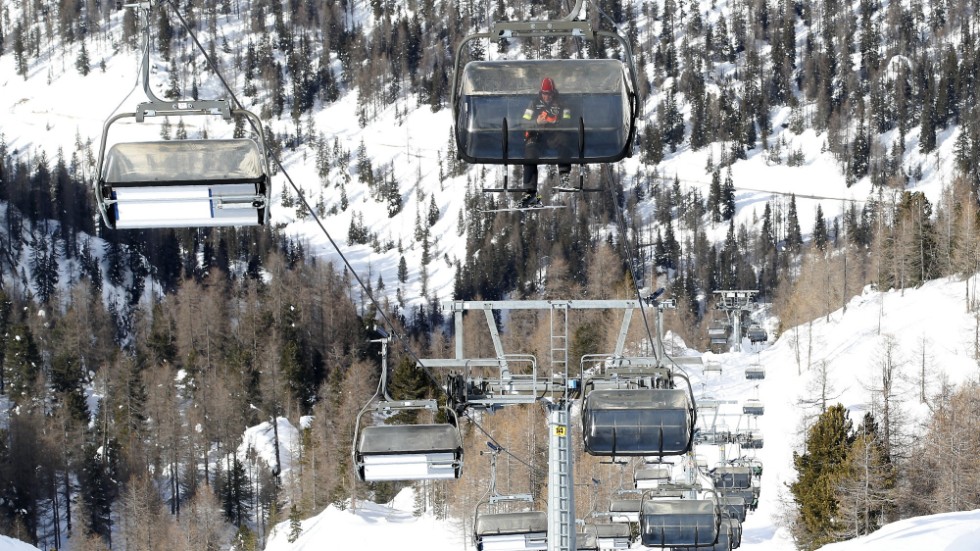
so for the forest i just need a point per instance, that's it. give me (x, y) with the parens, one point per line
(124, 413)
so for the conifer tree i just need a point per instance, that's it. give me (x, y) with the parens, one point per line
(820, 235)
(819, 470)
(794, 237)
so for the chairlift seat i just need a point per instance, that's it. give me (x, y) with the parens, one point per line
(182, 183)
(723, 543)
(753, 407)
(679, 523)
(624, 510)
(613, 536)
(520, 531)
(409, 452)
(748, 495)
(756, 333)
(755, 372)
(586, 541)
(493, 96)
(732, 477)
(651, 477)
(734, 506)
(638, 422)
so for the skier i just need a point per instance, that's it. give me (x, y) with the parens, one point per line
(545, 110)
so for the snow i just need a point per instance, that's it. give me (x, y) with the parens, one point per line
(958, 531)
(11, 544)
(371, 526)
(56, 105)
(850, 342)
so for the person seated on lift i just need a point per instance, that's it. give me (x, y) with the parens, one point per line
(545, 110)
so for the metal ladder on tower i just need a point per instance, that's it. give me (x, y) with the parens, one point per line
(559, 337)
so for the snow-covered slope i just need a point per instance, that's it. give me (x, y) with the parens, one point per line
(850, 343)
(946, 532)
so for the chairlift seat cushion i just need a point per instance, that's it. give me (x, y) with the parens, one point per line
(637, 422)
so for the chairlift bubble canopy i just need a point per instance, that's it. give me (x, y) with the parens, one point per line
(489, 98)
(638, 422)
(596, 94)
(679, 523)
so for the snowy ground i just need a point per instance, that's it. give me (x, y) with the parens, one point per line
(850, 344)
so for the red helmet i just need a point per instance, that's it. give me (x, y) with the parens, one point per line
(548, 85)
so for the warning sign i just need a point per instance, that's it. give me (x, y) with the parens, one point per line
(560, 430)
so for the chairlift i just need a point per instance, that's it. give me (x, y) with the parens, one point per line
(431, 451)
(753, 406)
(639, 422)
(624, 511)
(734, 506)
(610, 537)
(409, 452)
(726, 477)
(756, 333)
(182, 183)
(680, 522)
(734, 529)
(512, 531)
(651, 477)
(507, 530)
(586, 541)
(755, 372)
(489, 99)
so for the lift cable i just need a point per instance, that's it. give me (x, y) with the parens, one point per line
(367, 292)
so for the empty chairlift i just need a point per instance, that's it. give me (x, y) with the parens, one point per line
(651, 477)
(182, 183)
(625, 510)
(409, 452)
(753, 406)
(727, 477)
(586, 541)
(679, 522)
(734, 506)
(513, 531)
(755, 372)
(756, 333)
(405, 452)
(611, 537)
